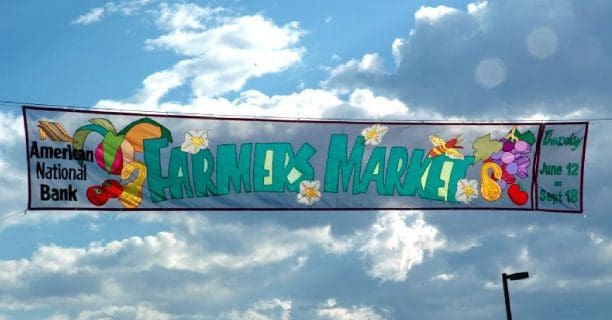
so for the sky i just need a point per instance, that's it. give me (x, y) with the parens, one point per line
(389, 60)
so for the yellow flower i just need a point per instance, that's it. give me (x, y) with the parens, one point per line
(195, 141)
(309, 192)
(373, 135)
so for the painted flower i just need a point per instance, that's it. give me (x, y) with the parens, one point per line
(195, 141)
(373, 135)
(309, 192)
(466, 190)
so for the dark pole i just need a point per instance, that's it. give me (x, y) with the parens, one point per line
(506, 296)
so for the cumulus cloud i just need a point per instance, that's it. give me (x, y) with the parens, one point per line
(138, 312)
(273, 309)
(221, 58)
(431, 15)
(306, 104)
(331, 311)
(483, 61)
(185, 16)
(123, 278)
(394, 246)
(369, 69)
(377, 107)
(200, 259)
(220, 52)
(12, 165)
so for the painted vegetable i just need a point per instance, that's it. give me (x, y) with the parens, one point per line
(489, 189)
(112, 187)
(131, 196)
(96, 195)
(117, 148)
(517, 195)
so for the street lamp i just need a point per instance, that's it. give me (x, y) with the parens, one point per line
(511, 277)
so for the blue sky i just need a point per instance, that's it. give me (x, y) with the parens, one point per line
(400, 60)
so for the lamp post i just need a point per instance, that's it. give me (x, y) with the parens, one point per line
(511, 277)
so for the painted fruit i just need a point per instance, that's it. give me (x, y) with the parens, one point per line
(517, 195)
(112, 187)
(96, 195)
(117, 165)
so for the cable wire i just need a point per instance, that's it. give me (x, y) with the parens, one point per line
(13, 214)
(18, 104)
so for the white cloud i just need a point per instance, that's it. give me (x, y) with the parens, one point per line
(12, 125)
(300, 263)
(157, 85)
(393, 246)
(184, 16)
(127, 7)
(93, 16)
(138, 312)
(454, 62)
(126, 272)
(308, 103)
(377, 107)
(396, 50)
(331, 311)
(444, 277)
(370, 66)
(369, 63)
(13, 180)
(432, 14)
(273, 309)
(220, 58)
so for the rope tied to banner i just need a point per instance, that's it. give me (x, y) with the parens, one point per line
(8, 216)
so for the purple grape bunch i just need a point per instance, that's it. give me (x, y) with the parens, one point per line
(513, 158)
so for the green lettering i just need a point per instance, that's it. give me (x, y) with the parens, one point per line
(233, 169)
(417, 168)
(203, 166)
(178, 171)
(374, 172)
(270, 162)
(339, 164)
(398, 162)
(178, 174)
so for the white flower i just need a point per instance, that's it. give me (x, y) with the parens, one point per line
(195, 141)
(373, 135)
(466, 190)
(309, 192)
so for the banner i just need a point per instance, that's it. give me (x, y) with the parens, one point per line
(99, 160)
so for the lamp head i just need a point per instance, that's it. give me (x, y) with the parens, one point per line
(518, 276)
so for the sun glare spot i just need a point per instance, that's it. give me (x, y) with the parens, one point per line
(542, 43)
(490, 72)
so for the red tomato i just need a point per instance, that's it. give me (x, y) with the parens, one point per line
(517, 195)
(112, 187)
(97, 196)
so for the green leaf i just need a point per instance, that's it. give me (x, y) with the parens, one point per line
(526, 136)
(104, 123)
(485, 146)
(80, 135)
